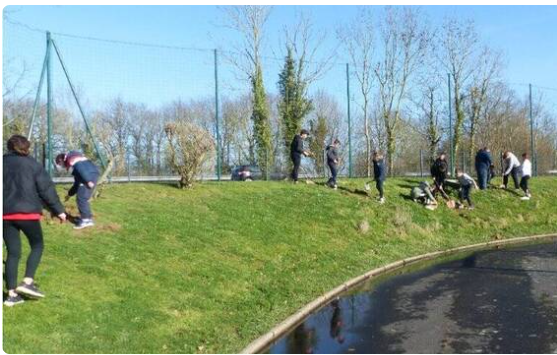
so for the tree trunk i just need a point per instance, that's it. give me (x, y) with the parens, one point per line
(391, 146)
(97, 189)
(368, 142)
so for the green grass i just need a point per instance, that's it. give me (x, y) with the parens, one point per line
(211, 269)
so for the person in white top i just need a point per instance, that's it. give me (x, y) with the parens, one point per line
(511, 166)
(526, 168)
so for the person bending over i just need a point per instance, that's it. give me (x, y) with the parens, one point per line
(85, 175)
(439, 172)
(511, 168)
(466, 185)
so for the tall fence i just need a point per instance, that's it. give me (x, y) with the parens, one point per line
(101, 96)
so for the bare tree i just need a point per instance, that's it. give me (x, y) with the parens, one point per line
(189, 147)
(250, 22)
(404, 43)
(358, 39)
(459, 41)
(484, 76)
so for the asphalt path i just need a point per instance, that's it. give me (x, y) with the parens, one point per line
(494, 301)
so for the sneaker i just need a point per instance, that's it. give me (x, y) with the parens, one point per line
(382, 200)
(29, 290)
(525, 198)
(335, 187)
(367, 187)
(13, 300)
(84, 223)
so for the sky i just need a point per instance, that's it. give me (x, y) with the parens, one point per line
(527, 35)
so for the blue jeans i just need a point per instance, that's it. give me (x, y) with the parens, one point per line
(483, 175)
(334, 171)
(83, 196)
(465, 194)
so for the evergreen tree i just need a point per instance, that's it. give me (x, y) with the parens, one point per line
(294, 104)
(319, 130)
(261, 123)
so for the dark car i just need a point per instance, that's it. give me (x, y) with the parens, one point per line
(246, 173)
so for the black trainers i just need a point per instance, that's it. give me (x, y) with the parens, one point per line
(29, 290)
(13, 300)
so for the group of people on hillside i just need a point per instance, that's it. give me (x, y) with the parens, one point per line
(424, 192)
(297, 151)
(27, 189)
(485, 171)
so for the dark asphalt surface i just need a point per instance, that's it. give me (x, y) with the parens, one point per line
(494, 301)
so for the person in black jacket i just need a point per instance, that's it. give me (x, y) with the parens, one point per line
(296, 152)
(439, 172)
(85, 175)
(332, 161)
(27, 187)
(379, 175)
(483, 164)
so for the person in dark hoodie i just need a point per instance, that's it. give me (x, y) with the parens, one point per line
(296, 152)
(483, 165)
(27, 187)
(85, 175)
(439, 172)
(379, 175)
(332, 162)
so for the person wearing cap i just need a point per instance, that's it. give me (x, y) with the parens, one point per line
(296, 152)
(27, 188)
(85, 175)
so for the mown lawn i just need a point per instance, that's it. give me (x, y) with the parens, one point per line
(211, 269)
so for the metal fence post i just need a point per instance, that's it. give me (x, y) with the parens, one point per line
(349, 123)
(421, 164)
(219, 162)
(74, 93)
(451, 153)
(532, 144)
(48, 104)
(37, 98)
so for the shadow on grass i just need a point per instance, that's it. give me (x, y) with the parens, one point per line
(354, 192)
(406, 197)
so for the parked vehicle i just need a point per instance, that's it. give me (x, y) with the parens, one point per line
(246, 173)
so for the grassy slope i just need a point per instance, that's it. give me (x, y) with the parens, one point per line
(211, 269)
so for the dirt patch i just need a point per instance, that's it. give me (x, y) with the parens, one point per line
(104, 228)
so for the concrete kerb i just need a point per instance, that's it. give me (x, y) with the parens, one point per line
(283, 327)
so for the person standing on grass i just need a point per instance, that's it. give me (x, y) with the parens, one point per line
(296, 153)
(526, 168)
(27, 187)
(439, 172)
(511, 166)
(466, 185)
(379, 174)
(85, 175)
(332, 162)
(483, 164)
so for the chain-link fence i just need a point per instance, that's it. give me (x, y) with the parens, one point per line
(114, 98)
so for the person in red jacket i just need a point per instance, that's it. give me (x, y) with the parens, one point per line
(27, 187)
